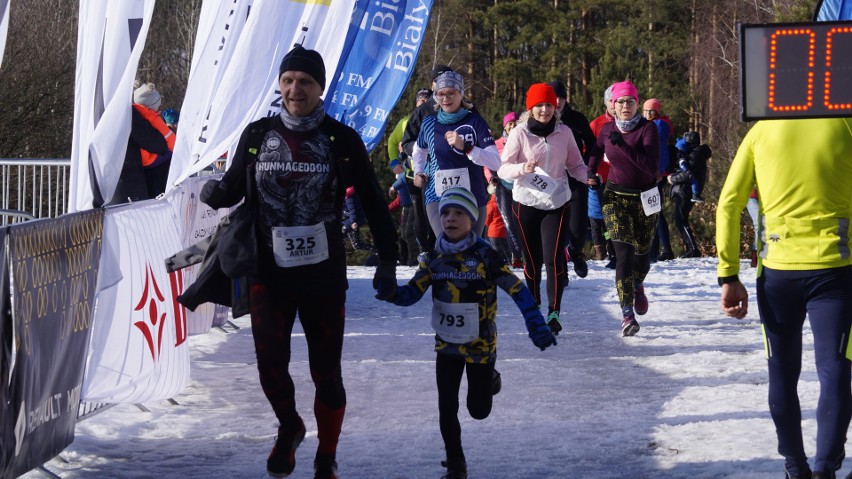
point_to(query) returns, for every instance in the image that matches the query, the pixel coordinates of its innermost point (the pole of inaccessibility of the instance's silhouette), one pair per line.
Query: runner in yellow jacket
(803, 170)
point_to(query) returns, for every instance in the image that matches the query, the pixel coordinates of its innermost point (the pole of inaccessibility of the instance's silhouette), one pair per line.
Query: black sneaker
(581, 268)
(325, 467)
(282, 459)
(456, 468)
(553, 322)
(496, 383)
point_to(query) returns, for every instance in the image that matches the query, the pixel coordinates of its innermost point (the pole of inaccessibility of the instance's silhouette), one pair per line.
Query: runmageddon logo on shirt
(293, 166)
(453, 275)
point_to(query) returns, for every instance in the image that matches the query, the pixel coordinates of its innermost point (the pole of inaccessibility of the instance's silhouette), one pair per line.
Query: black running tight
(543, 238)
(273, 313)
(448, 373)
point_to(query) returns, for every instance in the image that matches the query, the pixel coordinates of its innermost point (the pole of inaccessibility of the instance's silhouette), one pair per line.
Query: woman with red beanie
(631, 199)
(539, 155)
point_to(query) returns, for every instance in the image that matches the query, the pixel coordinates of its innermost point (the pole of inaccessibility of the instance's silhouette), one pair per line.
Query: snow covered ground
(685, 398)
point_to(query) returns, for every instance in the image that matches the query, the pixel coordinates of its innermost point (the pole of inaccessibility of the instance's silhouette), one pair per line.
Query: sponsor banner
(7, 443)
(248, 88)
(110, 39)
(4, 26)
(138, 350)
(378, 64)
(219, 27)
(54, 269)
(196, 221)
(833, 10)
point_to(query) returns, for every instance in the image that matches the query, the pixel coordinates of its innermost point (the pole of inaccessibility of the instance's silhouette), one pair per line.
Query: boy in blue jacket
(464, 273)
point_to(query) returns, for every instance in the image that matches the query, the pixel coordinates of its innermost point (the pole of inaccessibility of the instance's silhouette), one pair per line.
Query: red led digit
(828, 53)
(773, 66)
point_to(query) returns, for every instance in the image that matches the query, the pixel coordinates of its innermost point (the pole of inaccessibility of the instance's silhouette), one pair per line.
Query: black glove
(212, 192)
(615, 138)
(384, 281)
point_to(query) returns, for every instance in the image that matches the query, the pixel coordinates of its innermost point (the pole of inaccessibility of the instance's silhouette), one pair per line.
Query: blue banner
(832, 10)
(380, 54)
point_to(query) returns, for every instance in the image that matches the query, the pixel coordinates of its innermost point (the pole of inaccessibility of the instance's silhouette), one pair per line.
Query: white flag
(110, 39)
(219, 28)
(4, 25)
(248, 88)
(138, 350)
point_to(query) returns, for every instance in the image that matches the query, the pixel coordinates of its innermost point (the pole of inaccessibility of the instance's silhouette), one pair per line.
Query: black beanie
(440, 70)
(559, 89)
(301, 60)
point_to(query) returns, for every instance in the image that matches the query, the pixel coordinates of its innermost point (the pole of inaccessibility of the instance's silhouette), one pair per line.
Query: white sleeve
(488, 157)
(418, 159)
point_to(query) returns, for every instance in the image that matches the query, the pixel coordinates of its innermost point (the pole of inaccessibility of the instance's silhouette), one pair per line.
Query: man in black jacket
(296, 187)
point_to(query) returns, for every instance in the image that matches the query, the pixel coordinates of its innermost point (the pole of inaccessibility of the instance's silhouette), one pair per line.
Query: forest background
(683, 52)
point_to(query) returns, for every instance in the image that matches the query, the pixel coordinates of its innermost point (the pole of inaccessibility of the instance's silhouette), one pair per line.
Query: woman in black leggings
(631, 198)
(539, 156)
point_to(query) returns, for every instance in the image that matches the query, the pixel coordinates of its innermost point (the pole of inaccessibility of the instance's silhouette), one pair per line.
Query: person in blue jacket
(452, 147)
(464, 273)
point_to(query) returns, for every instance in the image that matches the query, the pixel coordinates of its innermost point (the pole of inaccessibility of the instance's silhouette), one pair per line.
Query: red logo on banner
(152, 299)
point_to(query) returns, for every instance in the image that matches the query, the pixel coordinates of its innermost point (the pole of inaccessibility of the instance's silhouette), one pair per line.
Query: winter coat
(471, 276)
(493, 220)
(149, 158)
(131, 183)
(804, 221)
(634, 164)
(557, 155)
(317, 198)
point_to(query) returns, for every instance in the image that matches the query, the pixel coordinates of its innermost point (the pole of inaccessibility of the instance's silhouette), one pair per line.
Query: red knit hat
(540, 93)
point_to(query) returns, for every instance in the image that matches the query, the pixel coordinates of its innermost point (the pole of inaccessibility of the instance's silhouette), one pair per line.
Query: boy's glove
(615, 138)
(384, 281)
(539, 332)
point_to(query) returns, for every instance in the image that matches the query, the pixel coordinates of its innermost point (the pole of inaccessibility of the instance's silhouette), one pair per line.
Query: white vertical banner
(248, 88)
(219, 27)
(4, 25)
(138, 350)
(110, 40)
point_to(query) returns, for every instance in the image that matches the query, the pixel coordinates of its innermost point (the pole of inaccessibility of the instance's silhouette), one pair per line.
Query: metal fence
(33, 188)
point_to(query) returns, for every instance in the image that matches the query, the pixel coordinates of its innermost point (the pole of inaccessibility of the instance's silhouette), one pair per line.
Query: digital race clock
(796, 70)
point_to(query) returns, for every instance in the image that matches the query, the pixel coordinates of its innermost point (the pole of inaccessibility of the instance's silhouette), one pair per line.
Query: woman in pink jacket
(539, 155)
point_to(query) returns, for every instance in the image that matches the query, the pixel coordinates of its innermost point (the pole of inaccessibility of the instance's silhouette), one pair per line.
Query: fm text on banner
(380, 56)
(54, 272)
